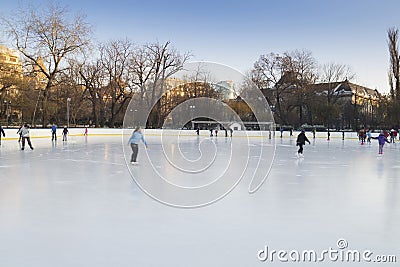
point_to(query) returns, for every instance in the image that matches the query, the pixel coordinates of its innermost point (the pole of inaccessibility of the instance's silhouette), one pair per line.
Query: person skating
(54, 132)
(19, 132)
(369, 135)
(133, 141)
(301, 141)
(198, 131)
(392, 137)
(361, 136)
(26, 136)
(381, 140)
(65, 133)
(2, 133)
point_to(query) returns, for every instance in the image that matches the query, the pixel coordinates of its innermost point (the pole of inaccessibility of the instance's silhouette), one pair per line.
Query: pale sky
(236, 33)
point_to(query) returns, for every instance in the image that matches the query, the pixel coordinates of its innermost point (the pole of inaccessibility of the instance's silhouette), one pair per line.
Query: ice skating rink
(76, 204)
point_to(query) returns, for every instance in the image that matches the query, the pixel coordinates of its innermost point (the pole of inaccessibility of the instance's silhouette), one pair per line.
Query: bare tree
(332, 73)
(266, 74)
(93, 81)
(46, 39)
(115, 57)
(336, 72)
(152, 64)
(286, 77)
(393, 43)
(303, 67)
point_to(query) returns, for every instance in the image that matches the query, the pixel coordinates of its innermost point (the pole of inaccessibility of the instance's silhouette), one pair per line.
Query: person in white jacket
(26, 136)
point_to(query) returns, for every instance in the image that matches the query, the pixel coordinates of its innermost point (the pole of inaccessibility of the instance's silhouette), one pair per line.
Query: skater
(329, 135)
(343, 135)
(392, 137)
(291, 132)
(211, 132)
(369, 135)
(231, 131)
(313, 132)
(26, 136)
(86, 131)
(53, 132)
(19, 132)
(361, 136)
(2, 133)
(134, 143)
(216, 131)
(281, 131)
(301, 141)
(65, 133)
(381, 140)
(198, 131)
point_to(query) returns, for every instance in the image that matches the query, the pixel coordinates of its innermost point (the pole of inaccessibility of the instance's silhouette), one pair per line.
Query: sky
(236, 33)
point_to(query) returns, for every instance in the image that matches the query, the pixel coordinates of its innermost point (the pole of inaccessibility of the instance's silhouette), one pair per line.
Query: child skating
(65, 133)
(381, 140)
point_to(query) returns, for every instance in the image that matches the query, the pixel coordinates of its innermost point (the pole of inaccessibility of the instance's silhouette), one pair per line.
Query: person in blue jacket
(54, 132)
(381, 140)
(133, 141)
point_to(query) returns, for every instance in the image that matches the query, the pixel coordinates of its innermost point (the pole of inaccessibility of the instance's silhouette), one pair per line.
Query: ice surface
(76, 204)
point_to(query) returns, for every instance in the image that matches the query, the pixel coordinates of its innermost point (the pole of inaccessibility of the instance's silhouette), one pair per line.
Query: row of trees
(64, 70)
(290, 82)
(65, 75)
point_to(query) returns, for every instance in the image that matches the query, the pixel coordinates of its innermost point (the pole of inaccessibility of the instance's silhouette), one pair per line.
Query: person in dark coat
(2, 133)
(301, 141)
(19, 132)
(65, 133)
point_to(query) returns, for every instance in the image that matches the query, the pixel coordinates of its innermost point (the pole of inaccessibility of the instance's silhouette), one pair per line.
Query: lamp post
(68, 103)
(192, 107)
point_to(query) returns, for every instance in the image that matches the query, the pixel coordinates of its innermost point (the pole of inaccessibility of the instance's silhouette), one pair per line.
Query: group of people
(212, 130)
(363, 135)
(64, 133)
(24, 134)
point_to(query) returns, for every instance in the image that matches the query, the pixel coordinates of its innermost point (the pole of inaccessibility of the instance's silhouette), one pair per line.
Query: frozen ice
(75, 204)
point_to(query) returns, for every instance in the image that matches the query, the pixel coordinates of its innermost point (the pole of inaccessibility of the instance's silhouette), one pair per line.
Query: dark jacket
(2, 132)
(302, 139)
